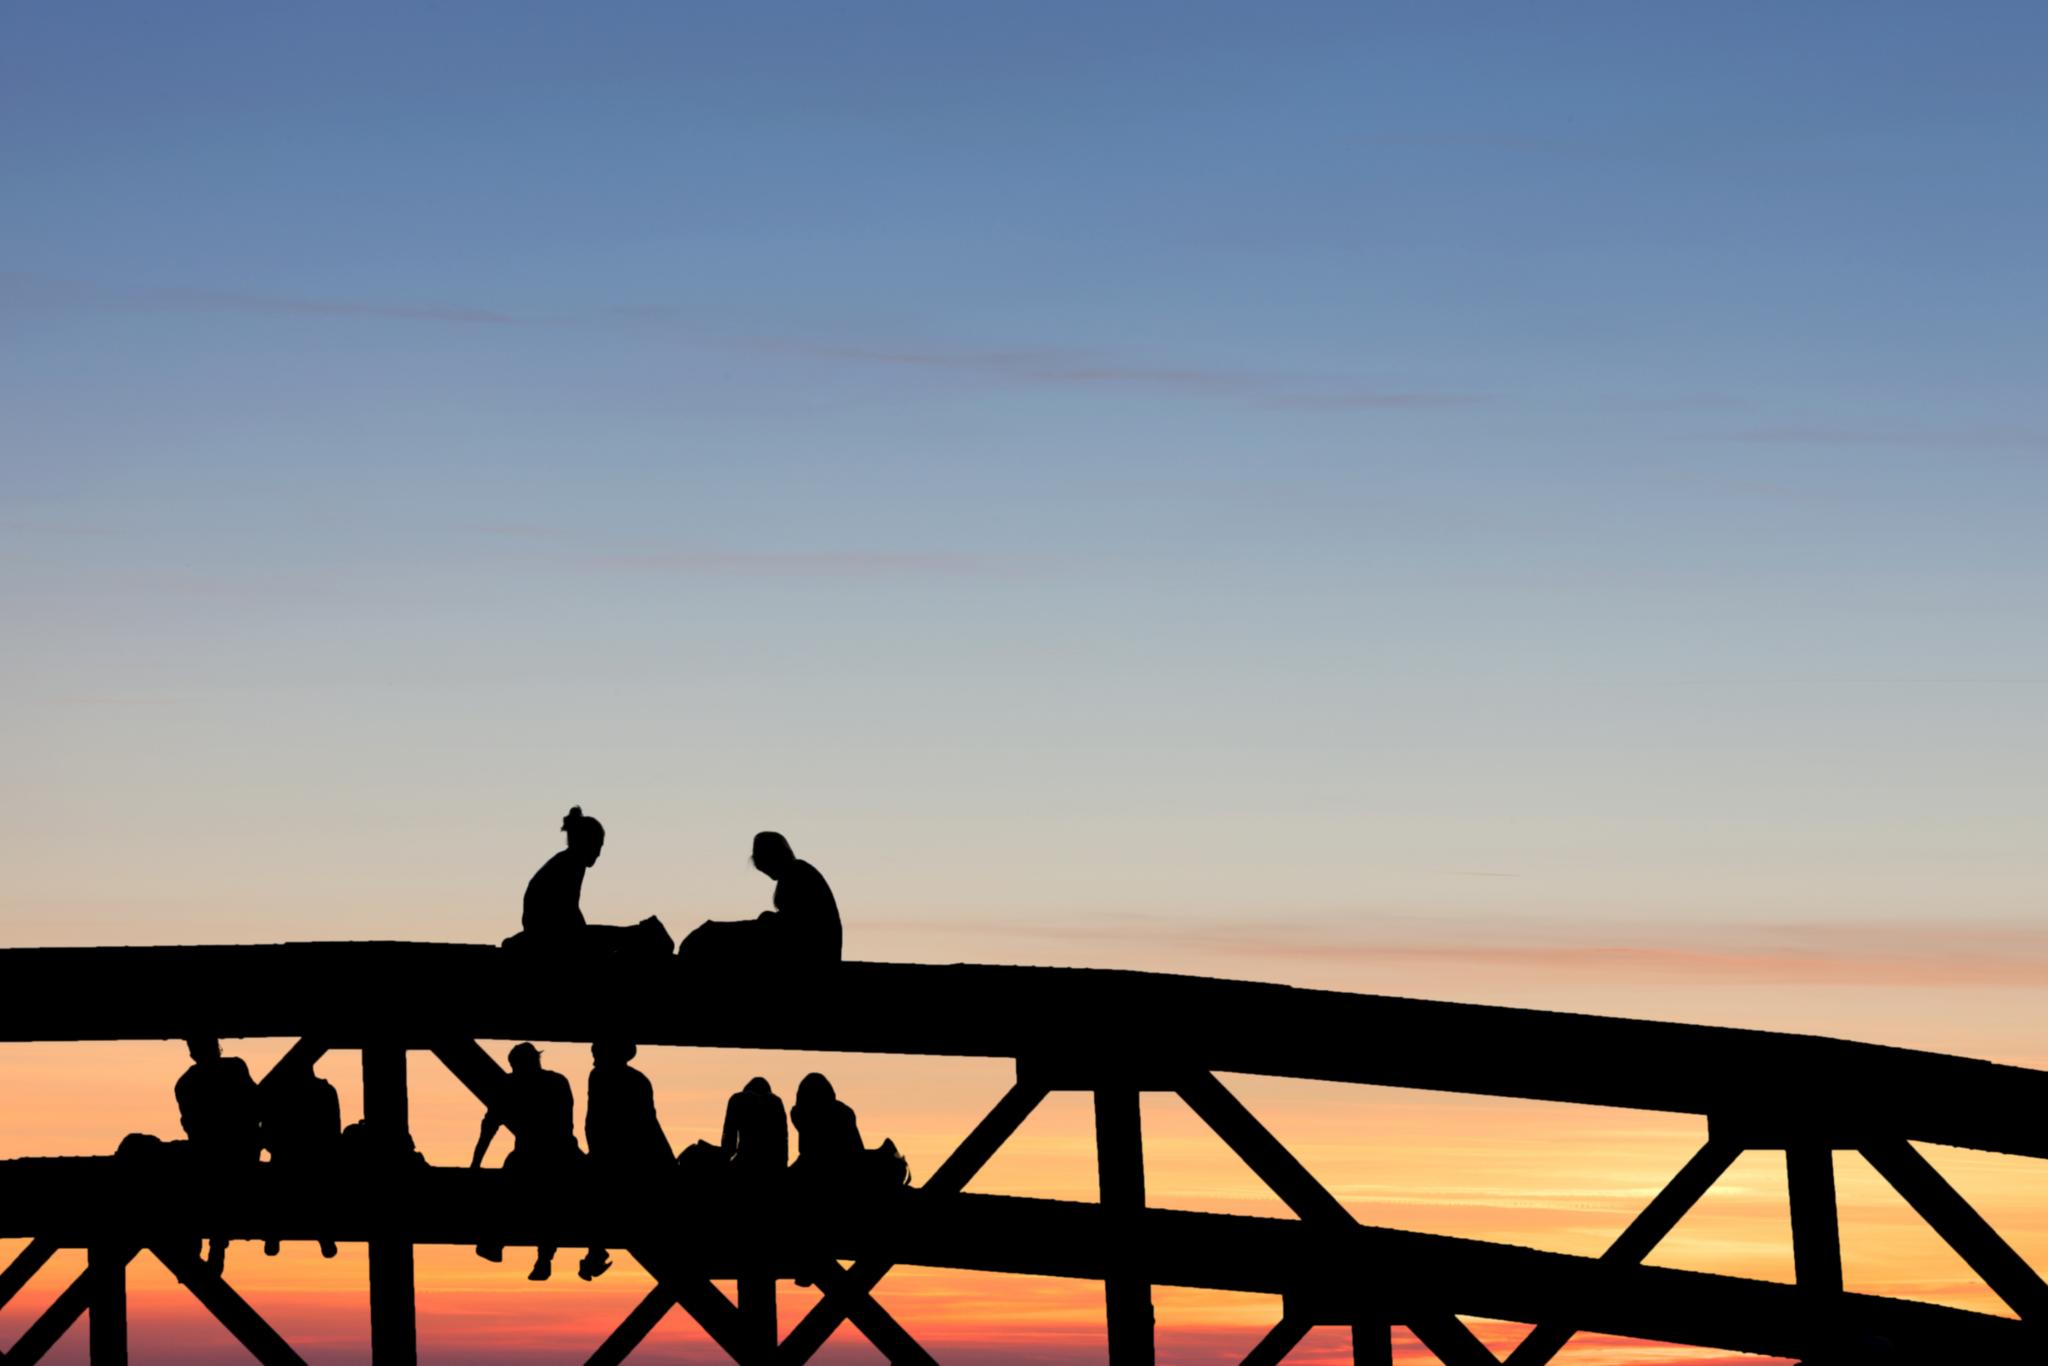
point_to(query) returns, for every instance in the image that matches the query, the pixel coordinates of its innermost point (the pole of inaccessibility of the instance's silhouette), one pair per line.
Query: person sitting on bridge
(623, 1131)
(217, 1109)
(755, 1143)
(551, 916)
(540, 1110)
(829, 1152)
(802, 933)
(301, 1125)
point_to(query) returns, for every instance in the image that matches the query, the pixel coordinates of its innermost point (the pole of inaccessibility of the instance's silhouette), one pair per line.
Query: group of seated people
(627, 1144)
(801, 932)
(230, 1120)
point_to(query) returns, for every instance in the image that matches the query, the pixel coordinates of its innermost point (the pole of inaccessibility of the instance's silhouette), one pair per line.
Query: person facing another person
(802, 933)
(551, 914)
(553, 907)
(540, 1110)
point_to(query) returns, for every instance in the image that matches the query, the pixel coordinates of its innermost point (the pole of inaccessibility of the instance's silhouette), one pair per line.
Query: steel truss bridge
(1111, 1034)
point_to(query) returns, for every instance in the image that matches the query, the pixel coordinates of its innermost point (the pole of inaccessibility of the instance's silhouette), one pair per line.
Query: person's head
(586, 836)
(524, 1057)
(772, 854)
(202, 1050)
(814, 1090)
(758, 1087)
(613, 1052)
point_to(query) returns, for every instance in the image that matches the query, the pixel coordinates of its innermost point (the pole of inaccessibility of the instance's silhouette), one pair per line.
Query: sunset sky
(1536, 504)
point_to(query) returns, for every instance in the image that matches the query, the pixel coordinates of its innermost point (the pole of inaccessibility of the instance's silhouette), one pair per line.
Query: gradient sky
(1521, 503)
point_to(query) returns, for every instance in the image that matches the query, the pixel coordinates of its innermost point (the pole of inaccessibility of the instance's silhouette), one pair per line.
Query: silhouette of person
(554, 896)
(807, 914)
(756, 1138)
(623, 1130)
(802, 934)
(540, 1110)
(217, 1109)
(551, 915)
(828, 1147)
(301, 1126)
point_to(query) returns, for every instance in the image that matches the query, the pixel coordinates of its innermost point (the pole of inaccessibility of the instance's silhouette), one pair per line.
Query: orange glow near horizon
(1558, 1177)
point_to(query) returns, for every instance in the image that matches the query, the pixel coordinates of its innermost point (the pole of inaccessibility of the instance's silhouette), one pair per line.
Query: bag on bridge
(887, 1168)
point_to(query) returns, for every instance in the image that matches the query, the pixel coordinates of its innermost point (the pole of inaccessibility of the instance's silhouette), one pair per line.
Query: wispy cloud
(25, 291)
(1848, 954)
(558, 546)
(1084, 370)
(1048, 366)
(1989, 438)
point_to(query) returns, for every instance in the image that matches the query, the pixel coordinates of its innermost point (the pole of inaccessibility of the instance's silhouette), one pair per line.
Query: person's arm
(484, 1136)
(729, 1142)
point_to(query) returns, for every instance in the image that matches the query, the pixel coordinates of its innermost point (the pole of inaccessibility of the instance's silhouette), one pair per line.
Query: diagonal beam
(875, 1323)
(473, 1067)
(1273, 1348)
(718, 1316)
(53, 1323)
(634, 1328)
(1268, 1158)
(304, 1053)
(1961, 1227)
(234, 1313)
(1453, 1343)
(1226, 1115)
(1641, 1237)
(23, 1268)
(995, 1129)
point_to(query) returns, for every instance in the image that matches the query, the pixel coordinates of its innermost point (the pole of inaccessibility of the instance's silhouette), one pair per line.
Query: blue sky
(1101, 468)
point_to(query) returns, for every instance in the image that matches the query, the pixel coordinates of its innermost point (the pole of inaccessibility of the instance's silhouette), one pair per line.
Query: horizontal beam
(431, 993)
(1410, 1274)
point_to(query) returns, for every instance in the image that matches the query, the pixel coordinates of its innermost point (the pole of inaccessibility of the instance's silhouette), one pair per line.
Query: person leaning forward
(540, 1110)
(551, 913)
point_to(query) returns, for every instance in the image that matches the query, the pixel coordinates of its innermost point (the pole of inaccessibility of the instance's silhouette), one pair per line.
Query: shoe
(590, 1268)
(541, 1271)
(490, 1254)
(270, 1247)
(327, 1249)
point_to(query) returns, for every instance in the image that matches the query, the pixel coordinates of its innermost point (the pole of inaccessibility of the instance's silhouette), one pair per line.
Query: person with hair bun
(554, 896)
(552, 915)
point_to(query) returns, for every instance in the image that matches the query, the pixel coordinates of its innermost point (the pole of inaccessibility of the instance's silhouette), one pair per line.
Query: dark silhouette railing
(1111, 1034)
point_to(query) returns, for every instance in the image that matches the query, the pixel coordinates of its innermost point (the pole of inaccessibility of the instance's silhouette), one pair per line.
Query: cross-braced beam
(1961, 1227)
(23, 1268)
(53, 1323)
(964, 1163)
(1640, 1238)
(234, 1313)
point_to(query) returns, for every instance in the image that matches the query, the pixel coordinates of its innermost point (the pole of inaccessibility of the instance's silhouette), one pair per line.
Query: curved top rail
(1765, 1088)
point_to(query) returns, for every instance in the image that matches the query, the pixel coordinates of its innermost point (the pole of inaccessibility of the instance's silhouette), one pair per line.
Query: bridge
(1111, 1034)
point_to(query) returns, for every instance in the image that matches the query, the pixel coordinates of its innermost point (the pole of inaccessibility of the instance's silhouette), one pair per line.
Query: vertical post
(757, 1313)
(1120, 1165)
(1372, 1343)
(393, 1337)
(107, 1306)
(1816, 1229)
